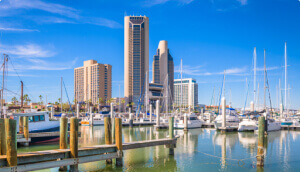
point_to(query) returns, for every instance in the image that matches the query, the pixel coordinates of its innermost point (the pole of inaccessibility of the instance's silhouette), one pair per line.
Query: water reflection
(198, 149)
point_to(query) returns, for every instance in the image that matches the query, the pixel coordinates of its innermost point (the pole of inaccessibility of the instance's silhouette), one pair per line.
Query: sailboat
(249, 124)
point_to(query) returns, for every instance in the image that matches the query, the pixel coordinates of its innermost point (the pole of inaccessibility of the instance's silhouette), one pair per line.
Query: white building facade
(189, 96)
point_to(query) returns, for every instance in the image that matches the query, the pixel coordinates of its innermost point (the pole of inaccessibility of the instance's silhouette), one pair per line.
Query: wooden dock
(208, 125)
(290, 127)
(22, 140)
(227, 129)
(49, 159)
(12, 162)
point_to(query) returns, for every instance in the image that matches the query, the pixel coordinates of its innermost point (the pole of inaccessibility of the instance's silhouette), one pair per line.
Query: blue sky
(46, 40)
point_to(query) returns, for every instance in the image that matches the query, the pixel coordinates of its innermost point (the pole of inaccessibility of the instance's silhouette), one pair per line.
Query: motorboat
(94, 119)
(39, 122)
(232, 119)
(192, 119)
(247, 125)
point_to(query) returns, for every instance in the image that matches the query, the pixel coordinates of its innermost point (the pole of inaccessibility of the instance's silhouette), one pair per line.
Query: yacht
(38, 121)
(232, 119)
(247, 125)
(98, 119)
(193, 122)
(273, 125)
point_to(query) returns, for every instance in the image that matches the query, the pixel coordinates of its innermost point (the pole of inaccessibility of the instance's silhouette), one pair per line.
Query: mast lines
(254, 56)
(285, 71)
(265, 79)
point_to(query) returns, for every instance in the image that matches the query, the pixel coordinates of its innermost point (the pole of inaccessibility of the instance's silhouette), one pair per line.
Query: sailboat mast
(61, 82)
(264, 79)
(181, 97)
(254, 82)
(285, 82)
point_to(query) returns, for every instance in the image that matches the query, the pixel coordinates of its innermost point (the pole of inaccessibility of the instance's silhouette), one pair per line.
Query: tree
(123, 102)
(41, 99)
(14, 100)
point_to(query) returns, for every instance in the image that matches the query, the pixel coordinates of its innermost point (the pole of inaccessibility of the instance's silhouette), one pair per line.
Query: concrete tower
(136, 57)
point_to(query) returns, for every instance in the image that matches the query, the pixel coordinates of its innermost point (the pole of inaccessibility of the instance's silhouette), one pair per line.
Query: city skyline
(46, 44)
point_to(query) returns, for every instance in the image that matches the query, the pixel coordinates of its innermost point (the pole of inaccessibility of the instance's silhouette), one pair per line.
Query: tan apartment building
(136, 56)
(92, 81)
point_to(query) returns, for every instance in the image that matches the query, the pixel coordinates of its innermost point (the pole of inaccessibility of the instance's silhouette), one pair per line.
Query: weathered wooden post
(112, 122)
(2, 137)
(21, 130)
(150, 110)
(11, 142)
(74, 142)
(107, 128)
(260, 146)
(185, 121)
(171, 134)
(224, 112)
(63, 137)
(119, 161)
(157, 114)
(26, 127)
(130, 121)
(78, 110)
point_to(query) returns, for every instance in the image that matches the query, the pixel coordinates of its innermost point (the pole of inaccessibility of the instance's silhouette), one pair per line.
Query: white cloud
(69, 14)
(150, 3)
(18, 29)
(38, 64)
(40, 5)
(243, 2)
(27, 50)
(268, 68)
(198, 71)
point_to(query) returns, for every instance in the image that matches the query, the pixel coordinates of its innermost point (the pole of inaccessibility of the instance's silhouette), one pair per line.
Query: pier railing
(11, 161)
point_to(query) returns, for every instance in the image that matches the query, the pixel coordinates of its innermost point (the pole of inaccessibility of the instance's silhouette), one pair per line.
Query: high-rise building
(189, 96)
(136, 57)
(92, 81)
(163, 69)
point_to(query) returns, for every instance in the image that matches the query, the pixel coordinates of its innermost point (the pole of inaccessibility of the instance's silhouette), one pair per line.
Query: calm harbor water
(198, 150)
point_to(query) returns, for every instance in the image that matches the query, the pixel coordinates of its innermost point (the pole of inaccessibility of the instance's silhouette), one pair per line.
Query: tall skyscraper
(163, 69)
(92, 81)
(189, 92)
(136, 57)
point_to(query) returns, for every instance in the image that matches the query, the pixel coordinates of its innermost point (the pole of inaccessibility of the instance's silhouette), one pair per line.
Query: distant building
(163, 70)
(136, 57)
(189, 92)
(92, 81)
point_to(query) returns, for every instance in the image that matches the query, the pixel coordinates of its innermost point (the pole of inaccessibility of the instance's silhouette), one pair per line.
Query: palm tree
(123, 102)
(14, 100)
(41, 99)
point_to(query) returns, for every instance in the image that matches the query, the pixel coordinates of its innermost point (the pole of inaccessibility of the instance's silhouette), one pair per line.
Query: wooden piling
(26, 127)
(185, 121)
(11, 142)
(171, 134)
(107, 128)
(2, 137)
(21, 130)
(260, 146)
(63, 137)
(118, 134)
(74, 142)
